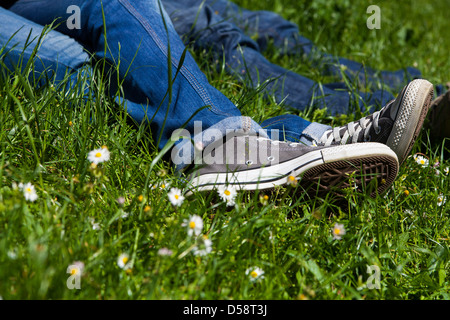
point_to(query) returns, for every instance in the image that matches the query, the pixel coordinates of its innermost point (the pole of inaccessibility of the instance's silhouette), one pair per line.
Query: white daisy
(441, 200)
(194, 225)
(446, 170)
(292, 180)
(99, 155)
(228, 194)
(164, 185)
(255, 273)
(264, 199)
(77, 268)
(338, 231)
(29, 192)
(175, 196)
(421, 160)
(204, 246)
(124, 261)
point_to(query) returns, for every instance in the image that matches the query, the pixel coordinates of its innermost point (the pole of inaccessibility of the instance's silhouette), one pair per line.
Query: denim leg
(293, 128)
(268, 26)
(58, 56)
(200, 23)
(264, 26)
(138, 37)
(59, 53)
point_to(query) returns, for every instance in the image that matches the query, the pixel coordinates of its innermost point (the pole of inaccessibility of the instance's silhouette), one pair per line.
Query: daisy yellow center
(192, 224)
(28, 190)
(163, 186)
(291, 178)
(177, 196)
(422, 161)
(125, 260)
(254, 274)
(98, 154)
(337, 231)
(73, 271)
(227, 192)
(266, 197)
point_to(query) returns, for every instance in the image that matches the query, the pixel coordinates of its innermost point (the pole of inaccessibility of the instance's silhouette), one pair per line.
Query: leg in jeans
(200, 23)
(138, 33)
(136, 36)
(268, 26)
(57, 54)
(312, 162)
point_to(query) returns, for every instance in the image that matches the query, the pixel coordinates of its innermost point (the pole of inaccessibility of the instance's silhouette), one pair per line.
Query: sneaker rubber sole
(371, 175)
(318, 171)
(412, 112)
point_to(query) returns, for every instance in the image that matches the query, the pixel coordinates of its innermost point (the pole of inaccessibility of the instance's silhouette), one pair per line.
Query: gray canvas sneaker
(255, 163)
(397, 124)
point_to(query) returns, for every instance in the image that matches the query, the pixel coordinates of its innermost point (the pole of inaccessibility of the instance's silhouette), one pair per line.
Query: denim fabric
(229, 31)
(136, 35)
(57, 55)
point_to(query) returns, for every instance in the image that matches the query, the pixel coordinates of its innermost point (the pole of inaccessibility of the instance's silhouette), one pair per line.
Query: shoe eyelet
(271, 158)
(378, 131)
(367, 139)
(249, 162)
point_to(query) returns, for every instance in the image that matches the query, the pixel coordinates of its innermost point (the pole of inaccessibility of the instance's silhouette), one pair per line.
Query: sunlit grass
(135, 240)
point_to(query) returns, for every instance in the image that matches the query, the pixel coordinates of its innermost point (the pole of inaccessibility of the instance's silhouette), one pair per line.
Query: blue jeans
(240, 36)
(264, 26)
(136, 35)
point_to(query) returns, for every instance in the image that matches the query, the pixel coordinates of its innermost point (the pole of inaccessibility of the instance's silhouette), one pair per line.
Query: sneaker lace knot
(351, 131)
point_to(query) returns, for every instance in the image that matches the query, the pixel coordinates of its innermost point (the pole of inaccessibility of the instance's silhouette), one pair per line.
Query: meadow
(114, 230)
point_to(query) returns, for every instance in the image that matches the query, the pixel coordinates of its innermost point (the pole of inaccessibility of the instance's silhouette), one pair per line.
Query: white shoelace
(352, 131)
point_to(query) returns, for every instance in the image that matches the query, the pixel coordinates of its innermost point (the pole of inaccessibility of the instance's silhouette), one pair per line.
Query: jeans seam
(274, 122)
(191, 79)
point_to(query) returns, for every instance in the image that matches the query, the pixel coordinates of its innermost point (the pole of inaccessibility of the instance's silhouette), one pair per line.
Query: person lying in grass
(163, 86)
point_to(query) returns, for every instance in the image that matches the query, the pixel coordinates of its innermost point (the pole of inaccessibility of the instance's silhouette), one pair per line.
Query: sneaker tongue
(391, 108)
(389, 111)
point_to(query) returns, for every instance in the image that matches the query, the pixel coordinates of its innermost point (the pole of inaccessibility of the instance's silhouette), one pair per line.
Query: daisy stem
(136, 238)
(184, 253)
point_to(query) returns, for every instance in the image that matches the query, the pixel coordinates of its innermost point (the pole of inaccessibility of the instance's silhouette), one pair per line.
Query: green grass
(47, 133)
